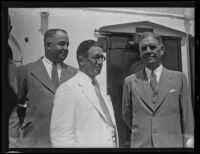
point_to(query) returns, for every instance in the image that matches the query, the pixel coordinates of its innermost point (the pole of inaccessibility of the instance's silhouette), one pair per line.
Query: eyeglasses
(152, 47)
(97, 58)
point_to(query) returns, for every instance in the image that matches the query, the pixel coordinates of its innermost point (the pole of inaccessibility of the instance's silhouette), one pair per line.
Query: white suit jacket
(77, 118)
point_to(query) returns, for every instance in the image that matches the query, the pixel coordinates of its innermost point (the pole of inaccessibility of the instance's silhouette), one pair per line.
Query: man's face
(151, 51)
(57, 48)
(94, 62)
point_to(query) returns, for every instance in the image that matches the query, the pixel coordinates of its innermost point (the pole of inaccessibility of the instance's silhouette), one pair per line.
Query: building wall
(80, 24)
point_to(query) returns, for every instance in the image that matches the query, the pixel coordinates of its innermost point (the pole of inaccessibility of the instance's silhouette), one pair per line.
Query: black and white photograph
(97, 76)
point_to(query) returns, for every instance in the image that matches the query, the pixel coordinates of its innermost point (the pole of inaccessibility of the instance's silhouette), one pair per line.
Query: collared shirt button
(154, 99)
(154, 115)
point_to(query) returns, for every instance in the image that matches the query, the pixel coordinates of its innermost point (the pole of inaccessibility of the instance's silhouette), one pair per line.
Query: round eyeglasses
(97, 58)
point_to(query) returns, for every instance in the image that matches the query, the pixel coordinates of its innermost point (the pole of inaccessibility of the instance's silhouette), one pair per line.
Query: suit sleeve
(187, 111)
(12, 75)
(62, 127)
(22, 84)
(127, 104)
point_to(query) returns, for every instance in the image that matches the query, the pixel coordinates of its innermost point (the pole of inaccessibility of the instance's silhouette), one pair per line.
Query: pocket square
(172, 90)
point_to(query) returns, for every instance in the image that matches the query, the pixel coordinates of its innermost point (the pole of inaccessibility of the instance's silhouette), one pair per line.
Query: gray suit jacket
(165, 123)
(37, 91)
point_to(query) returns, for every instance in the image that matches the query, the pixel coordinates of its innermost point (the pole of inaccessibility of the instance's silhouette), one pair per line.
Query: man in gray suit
(37, 83)
(155, 103)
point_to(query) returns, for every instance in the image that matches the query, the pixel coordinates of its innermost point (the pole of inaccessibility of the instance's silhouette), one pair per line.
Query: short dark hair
(49, 33)
(85, 46)
(151, 34)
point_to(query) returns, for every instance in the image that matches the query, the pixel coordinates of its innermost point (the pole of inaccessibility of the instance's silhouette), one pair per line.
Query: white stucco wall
(80, 24)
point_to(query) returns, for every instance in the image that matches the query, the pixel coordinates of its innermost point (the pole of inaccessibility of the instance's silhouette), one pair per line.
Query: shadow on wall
(136, 67)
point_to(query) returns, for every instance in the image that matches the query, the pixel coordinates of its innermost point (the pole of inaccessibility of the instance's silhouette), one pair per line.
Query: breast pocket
(172, 103)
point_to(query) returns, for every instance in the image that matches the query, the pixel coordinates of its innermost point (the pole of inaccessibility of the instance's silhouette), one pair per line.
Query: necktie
(105, 110)
(153, 82)
(54, 76)
(102, 102)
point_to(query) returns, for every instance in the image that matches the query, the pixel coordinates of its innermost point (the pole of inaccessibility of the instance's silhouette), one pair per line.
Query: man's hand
(21, 112)
(190, 142)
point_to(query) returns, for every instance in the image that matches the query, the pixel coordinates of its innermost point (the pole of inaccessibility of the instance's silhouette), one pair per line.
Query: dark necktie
(153, 82)
(102, 102)
(54, 76)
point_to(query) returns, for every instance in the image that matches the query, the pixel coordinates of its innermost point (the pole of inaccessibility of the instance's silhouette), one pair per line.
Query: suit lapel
(39, 72)
(141, 84)
(108, 102)
(89, 92)
(66, 73)
(163, 87)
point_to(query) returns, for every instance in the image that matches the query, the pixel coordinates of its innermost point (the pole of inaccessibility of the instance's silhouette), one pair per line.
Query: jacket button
(154, 115)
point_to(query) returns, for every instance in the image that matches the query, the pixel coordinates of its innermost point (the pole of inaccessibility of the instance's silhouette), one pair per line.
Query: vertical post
(44, 22)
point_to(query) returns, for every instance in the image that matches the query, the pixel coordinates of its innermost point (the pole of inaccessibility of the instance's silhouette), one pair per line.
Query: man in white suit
(83, 115)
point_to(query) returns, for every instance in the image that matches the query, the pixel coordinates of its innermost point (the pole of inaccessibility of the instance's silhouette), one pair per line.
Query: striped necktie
(105, 110)
(153, 83)
(102, 102)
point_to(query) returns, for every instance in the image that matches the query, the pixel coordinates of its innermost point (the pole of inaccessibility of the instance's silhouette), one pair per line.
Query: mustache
(146, 55)
(99, 66)
(64, 51)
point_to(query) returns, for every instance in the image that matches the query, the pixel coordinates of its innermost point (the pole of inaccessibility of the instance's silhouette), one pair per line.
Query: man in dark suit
(12, 72)
(156, 106)
(37, 83)
(12, 94)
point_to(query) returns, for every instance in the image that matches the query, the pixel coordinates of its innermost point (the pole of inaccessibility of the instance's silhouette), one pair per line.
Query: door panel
(192, 68)
(118, 42)
(132, 61)
(172, 55)
(116, 86)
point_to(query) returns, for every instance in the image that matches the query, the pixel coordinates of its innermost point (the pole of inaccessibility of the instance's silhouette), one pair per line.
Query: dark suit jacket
(161, 124)
(36, 89)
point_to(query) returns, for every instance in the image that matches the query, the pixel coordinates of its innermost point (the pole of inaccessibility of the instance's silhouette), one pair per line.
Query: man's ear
(10, 29)
(47, 45)
(80, 60)
(162, 50)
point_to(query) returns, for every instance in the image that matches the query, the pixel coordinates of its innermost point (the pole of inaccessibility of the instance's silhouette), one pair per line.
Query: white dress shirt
(157, 72)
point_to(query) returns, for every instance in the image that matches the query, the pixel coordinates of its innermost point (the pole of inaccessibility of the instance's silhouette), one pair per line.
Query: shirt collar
(157, 71)
(49, 63)
(85, 77)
